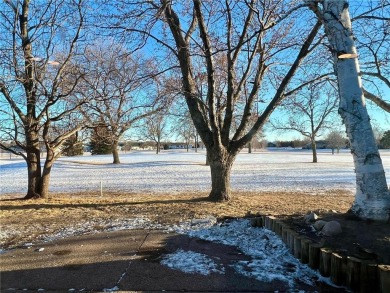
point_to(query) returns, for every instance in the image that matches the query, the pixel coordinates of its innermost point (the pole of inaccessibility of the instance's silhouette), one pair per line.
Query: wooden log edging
(314, 255)
(305, 244)
(355, 274)
(384, 276)
(325, 262)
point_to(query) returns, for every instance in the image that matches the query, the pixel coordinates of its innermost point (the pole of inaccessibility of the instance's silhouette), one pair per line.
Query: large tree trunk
(115, 153)
(45, 180)
(220, 166)
(158, 145)
(34, 174)
(33, 165)
(372, 200)
(314, 151)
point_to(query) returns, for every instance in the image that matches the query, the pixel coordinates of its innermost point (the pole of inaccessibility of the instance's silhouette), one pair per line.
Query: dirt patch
(32, 220)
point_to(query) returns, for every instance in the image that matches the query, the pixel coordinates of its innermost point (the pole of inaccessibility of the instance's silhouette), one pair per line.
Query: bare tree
(251, 47)
(310, 112)
(378, 132)
(372, 199)
(181, 124)
(373, 28)
(39, 48)
(186, 130)
(121, 90)
(335, 140)
(155, 127)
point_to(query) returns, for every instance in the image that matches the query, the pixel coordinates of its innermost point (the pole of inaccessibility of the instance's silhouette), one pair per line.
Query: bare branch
(377, 100)
(278, 97)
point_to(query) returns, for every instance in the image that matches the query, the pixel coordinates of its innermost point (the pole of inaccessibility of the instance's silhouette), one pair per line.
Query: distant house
(180, 146)
(321, 144)
(271, 145)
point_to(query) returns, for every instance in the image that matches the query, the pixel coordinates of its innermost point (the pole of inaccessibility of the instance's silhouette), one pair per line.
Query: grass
(32, 220)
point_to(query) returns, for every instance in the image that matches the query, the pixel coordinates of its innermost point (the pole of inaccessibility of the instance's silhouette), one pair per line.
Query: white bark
(372, 199)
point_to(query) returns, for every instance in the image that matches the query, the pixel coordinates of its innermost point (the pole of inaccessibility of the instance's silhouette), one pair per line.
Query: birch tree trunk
(372, 199)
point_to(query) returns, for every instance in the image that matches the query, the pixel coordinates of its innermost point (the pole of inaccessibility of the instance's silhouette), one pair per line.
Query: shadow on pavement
(124, 261)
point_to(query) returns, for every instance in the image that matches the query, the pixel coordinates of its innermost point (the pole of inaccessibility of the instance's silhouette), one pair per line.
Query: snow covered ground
(179, 171)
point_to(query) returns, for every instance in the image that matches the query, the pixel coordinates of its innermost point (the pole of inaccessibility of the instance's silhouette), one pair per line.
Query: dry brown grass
(29, 220)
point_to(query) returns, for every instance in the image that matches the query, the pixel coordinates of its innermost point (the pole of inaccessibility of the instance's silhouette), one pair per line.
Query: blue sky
(379, 118)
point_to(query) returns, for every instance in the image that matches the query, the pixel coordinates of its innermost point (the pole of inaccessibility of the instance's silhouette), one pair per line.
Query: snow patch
(271, 259)
(194, 224)
(192, 262)
(95, 226)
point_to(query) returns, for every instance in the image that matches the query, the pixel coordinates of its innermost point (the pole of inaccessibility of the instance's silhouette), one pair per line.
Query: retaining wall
(356, 274)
